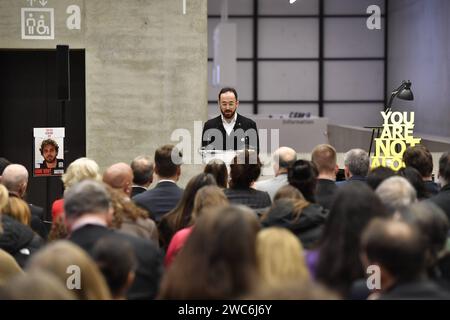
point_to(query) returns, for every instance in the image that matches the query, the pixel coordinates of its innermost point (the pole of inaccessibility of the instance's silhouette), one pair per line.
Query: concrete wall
(146, 69)
(419, 50)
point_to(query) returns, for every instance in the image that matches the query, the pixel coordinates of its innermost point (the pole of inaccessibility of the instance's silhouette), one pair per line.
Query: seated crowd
(132, 232)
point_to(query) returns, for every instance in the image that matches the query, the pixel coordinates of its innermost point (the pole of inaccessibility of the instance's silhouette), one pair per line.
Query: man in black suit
(15, 179)
(230, 130)
(142, 167)
(442, 199)
(88, 210)
(166, 194)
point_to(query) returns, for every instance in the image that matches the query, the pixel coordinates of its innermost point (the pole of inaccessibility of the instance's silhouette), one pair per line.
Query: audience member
(399, 250)
(377, 175)
(324, 158)
(283, 158)
(218, 260)
(208, 198)
(339, 263)
(356, 166)
(420, 158)
(142, 167)
(396, 193)
(87, 206)
(180, 216)
(63, 259)
(280, 257)
(245, 169)
(117, 263)
(442, 199)
(218, 169)
(8, 267)
(415, 179)
(166, 194)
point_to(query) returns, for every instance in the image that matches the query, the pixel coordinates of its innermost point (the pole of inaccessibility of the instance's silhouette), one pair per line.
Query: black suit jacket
(148, 256)
(442, 200)
(159, 200)
(239, 139)
(137, 190)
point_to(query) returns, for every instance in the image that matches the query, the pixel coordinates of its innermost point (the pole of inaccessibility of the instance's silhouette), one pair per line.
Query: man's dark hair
(377, 175)
(49, 142)
(3, 164)
(397, 246)
(245, 168)
(419, 157)
(444, 166)
(142, 170)
(115, 259)
(228, 89)
(87, 196)
(164, 165)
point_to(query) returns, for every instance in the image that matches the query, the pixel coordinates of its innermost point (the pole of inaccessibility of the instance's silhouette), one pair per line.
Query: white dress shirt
(229, 125)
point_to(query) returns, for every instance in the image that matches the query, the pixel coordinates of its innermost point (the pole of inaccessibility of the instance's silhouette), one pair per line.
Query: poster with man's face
(48, 152)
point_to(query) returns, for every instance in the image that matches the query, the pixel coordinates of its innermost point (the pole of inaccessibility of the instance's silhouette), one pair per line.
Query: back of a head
(303, 176)
(358, 162)
(284, 157)
(432, 223)
(222, 246)
(119, 176)
(444, 168)
(324, 158)
(415, 179)
(36, 285)
(87, 196)
(19, 210)
(377, 175)
(396, 193)
(183, 210)
(79, 170)
(61, 258)
(218, 169)
(280, 257)
(14, 176)
(396, 246)
(142, 167)
(420, 158)
(245, 169)
(288, 192)
(116, 260)
(167, 161)
(208, 198)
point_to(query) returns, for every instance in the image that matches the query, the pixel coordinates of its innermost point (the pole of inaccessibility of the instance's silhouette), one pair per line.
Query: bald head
(283, 158)
(15, 179)
(119, 176)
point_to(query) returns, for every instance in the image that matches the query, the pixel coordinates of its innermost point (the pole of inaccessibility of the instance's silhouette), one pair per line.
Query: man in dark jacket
(88, 212)
(230, 130)
(442, 199)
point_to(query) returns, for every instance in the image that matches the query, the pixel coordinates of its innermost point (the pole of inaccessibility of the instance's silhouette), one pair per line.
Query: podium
(224, 155)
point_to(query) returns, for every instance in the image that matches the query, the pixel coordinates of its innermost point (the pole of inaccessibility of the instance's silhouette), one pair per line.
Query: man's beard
(229, 117)
(50, 160)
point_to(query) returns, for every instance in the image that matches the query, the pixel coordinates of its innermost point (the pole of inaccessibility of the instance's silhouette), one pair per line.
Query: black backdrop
(28, 99)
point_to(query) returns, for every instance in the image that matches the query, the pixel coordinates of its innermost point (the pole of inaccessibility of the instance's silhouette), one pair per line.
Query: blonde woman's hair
(4, 199)
(280, 257)
(58, 256)
(19, 210)
(81, 169)
(207, 198)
